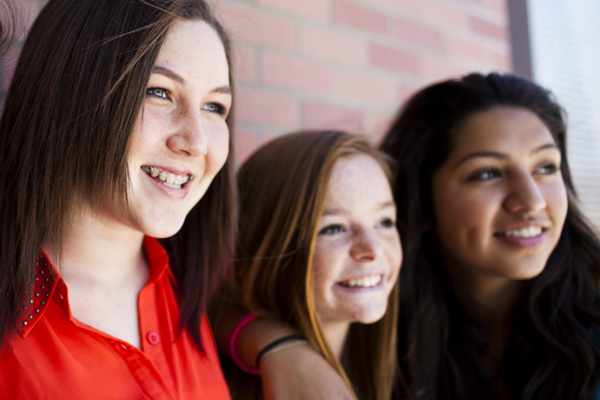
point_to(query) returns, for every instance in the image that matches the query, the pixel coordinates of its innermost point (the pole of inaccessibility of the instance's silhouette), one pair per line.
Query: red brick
(365, 88)
(416, 33)
(267, 137)
(406, 92)
(393, 59)
(259, 106)
(435, 69)
(458, 48)
(359, 17)
(244, 145)
(244, 64)
(377, 125)
(314, 9)
(327, 44)
(500, 6)
(294, 73)
(489, 29)
(475, 2)
(503, 61)
(252, 26)
(445, 15)
(407, 7)
(317, 115)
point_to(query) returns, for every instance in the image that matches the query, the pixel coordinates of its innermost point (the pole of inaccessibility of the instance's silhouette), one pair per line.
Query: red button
(153, 338)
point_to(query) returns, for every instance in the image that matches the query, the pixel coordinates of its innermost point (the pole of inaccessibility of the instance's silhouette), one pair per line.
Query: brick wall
(345, 64)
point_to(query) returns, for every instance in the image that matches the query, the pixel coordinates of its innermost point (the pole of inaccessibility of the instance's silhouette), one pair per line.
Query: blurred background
(349, 64)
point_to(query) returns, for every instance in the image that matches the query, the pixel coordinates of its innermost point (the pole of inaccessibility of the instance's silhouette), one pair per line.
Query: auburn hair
(282, 189)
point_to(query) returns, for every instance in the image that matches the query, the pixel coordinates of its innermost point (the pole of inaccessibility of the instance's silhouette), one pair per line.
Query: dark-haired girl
(499, 288)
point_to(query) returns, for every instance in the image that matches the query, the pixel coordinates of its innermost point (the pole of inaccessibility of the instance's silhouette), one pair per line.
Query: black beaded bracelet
(274, 344)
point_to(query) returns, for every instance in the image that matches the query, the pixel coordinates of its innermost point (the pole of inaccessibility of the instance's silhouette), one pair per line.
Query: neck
(489, 299)
(336, 333)
(95, 250)
(491, 302)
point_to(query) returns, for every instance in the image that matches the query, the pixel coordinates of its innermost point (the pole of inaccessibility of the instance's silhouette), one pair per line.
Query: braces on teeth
(171, 180)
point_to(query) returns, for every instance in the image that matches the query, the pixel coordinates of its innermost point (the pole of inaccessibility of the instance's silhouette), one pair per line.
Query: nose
(190, 137)
(525, 195)
(364, 246)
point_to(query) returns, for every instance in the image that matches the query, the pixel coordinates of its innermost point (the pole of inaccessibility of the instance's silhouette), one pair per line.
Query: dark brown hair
(553, 350)
(75, 96)
(282, 190)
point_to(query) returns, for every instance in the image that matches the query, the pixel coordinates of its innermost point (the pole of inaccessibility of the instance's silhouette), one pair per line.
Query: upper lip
(170, 170)
(362, 275)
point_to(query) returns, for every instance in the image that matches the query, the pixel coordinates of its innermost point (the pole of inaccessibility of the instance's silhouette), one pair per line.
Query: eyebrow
(176, 77)
(168, 73)
(502, 156)
(338, 211)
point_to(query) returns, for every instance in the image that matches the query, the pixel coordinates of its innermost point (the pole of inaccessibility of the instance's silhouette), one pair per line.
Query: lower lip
(175, 193)
(523, 242)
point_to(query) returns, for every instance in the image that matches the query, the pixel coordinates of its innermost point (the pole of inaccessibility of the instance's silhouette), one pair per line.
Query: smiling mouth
(166, 178)
(521, 233)
(364, 282)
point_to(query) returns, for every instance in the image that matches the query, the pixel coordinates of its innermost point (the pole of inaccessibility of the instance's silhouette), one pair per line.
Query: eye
(332, 229)
(549, 168)
(387, 223)
(216, 108)
(158, 92)
(485, 174)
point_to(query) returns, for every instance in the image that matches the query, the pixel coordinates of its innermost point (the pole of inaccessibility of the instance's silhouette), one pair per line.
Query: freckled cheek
(394, 252)
(217, 142)
(326, 265)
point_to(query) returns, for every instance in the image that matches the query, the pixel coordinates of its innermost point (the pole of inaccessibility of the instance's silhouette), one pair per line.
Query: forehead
(194, 50)
(503, 129)
(357, 178)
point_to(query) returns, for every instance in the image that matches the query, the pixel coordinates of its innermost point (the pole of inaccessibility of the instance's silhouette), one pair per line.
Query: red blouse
(58, 357)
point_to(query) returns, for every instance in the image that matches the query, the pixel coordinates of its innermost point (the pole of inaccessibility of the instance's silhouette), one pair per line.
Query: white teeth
(523, 233)
(168, 179)
(367, 281)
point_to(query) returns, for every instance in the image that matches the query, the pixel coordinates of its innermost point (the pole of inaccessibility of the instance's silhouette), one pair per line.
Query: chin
(371, 317)
(164, 231)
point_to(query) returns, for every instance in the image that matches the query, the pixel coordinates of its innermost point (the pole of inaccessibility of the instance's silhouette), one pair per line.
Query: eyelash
(387, 223)
(153, 92)
(164, 94)
(218, 108)
(549, 168)
(332, 229)
(487, 174)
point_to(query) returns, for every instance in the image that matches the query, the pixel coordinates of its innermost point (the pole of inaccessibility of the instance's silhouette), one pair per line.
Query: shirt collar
(47, 283)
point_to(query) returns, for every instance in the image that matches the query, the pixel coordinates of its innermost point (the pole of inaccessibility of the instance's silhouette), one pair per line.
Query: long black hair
(553, 349)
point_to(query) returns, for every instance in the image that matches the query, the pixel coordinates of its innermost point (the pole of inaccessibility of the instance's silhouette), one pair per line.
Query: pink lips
(524, 242)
